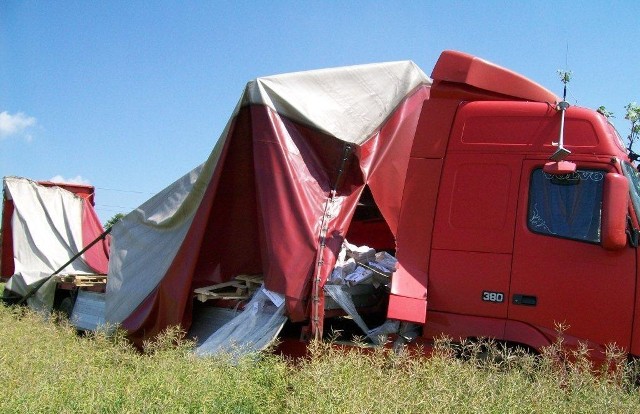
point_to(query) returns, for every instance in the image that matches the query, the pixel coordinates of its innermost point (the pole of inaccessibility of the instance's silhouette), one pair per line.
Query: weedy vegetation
(48, 368)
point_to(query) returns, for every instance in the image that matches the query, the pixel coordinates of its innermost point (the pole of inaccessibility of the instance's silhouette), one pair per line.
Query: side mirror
(614, 211)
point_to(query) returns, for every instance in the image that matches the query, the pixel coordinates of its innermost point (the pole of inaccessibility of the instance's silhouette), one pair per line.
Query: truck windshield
(634, 185)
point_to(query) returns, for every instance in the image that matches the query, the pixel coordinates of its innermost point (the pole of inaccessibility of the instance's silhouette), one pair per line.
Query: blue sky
(128, 96)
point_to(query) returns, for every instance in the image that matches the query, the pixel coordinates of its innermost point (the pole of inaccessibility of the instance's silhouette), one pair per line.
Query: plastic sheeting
(49, 225)
(347, 277)
(252, 330)
(341, 295)
(88, 311)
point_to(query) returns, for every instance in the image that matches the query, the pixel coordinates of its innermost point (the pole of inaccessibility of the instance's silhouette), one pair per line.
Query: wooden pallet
(83, 280)
(241, 287)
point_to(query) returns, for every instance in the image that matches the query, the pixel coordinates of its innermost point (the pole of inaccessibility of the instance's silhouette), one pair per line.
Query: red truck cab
(493, 244)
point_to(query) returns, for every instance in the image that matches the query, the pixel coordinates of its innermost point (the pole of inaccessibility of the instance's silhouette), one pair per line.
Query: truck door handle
(525, 300)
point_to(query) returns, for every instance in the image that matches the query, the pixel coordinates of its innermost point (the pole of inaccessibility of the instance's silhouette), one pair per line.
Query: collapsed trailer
(45, 227)
(275, 198)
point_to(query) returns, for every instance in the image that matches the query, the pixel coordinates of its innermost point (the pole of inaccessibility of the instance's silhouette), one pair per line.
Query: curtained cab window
(567, 206)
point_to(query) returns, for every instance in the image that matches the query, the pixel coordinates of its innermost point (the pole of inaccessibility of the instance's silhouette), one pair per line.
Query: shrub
(48, 367)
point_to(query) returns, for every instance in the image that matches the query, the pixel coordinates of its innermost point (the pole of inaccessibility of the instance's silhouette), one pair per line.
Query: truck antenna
(562, 153)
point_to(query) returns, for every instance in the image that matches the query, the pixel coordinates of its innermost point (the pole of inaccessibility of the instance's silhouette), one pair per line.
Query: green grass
(46, 367)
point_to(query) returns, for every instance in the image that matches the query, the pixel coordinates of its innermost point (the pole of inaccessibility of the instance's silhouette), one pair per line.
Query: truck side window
(566, 206)
(633, 176)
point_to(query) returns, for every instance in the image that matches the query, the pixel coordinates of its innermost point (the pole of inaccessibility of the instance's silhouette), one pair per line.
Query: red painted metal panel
(523, 333)
(504, 126)
(432, 133)
(477, 203)
(407, 309)
(459, 327)
(521, 127)
(457, 280)
(458, 67)
(414, 231)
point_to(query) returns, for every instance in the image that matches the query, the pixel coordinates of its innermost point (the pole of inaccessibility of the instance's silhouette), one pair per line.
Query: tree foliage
(113, 220)
(633, 116)
(607, 114)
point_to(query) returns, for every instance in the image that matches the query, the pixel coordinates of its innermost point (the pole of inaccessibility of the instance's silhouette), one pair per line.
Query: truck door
(560, 273)
(471, 255)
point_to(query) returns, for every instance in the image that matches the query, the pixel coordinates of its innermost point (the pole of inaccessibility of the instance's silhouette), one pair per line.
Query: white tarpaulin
(348, 102)
(47, 232)
(145, 241)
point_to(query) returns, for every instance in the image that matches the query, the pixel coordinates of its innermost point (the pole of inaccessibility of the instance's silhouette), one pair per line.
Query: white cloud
(75, 180)
(15, 125)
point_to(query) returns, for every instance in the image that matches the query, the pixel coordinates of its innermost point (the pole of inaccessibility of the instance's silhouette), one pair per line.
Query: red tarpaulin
(259, 203)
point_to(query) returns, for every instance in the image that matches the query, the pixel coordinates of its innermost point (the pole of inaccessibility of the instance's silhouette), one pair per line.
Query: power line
(109, 205)
(109, 209)
(124, 191)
